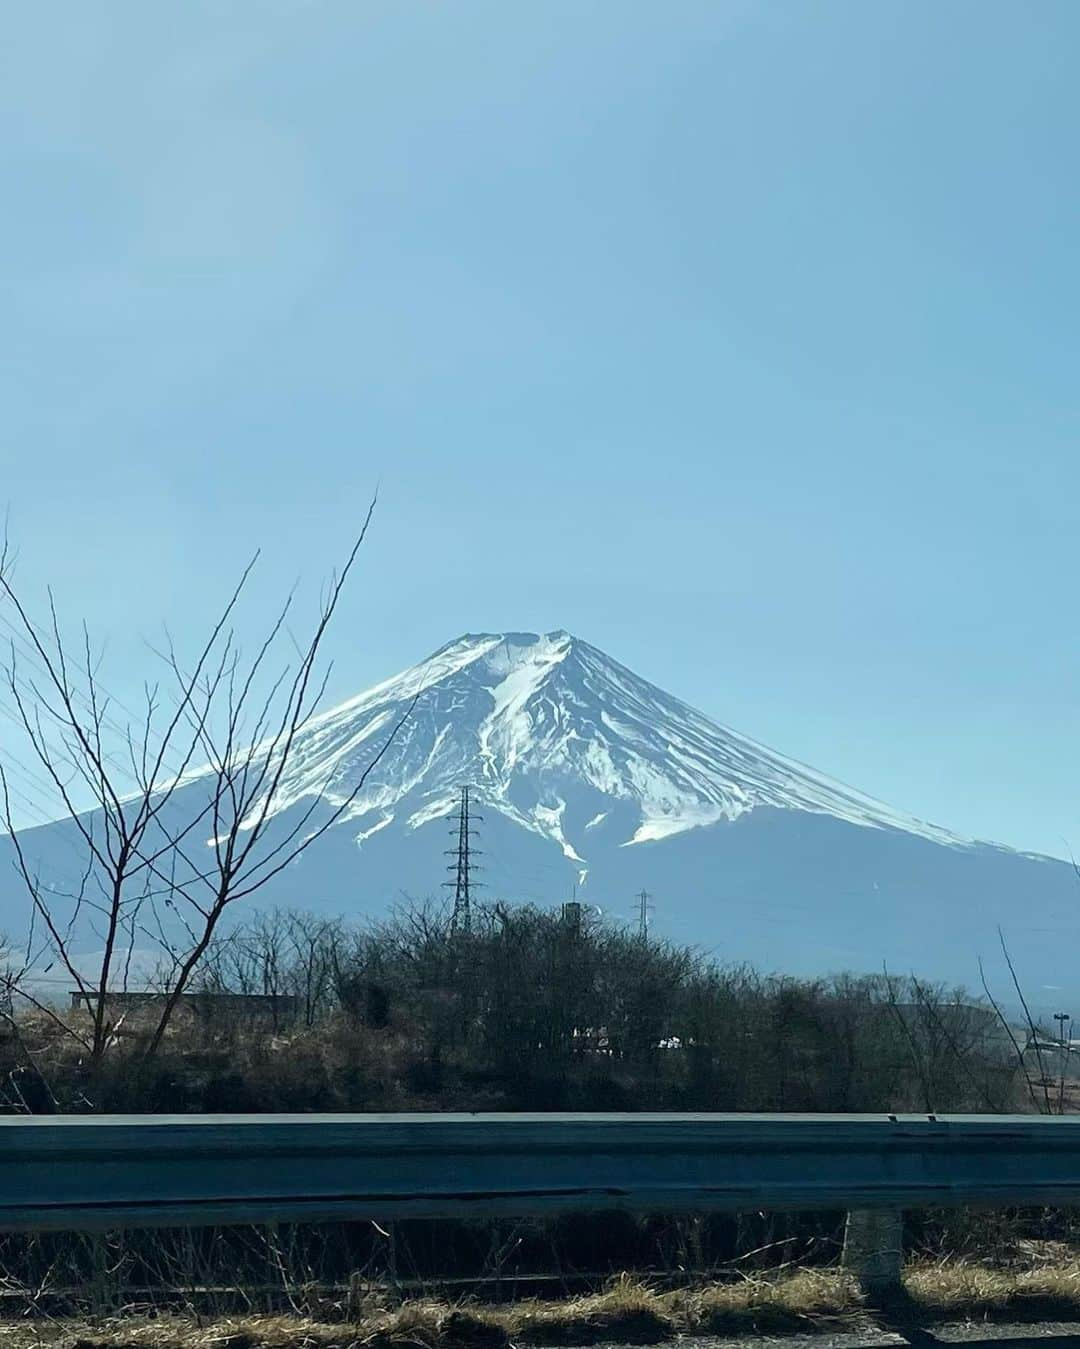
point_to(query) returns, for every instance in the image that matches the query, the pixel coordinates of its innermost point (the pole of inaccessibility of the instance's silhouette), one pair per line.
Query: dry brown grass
(961, 1287)
(627, 1311)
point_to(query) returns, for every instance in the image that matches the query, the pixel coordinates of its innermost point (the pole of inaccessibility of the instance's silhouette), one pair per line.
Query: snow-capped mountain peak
(559, 738)
(583, 771)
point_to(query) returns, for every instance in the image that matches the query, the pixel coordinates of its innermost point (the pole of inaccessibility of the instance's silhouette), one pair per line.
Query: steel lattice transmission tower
(463, 866)
(643, 914)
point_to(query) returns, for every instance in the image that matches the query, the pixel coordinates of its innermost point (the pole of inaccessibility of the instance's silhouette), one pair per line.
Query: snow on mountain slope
(584, 772)
(559, 738)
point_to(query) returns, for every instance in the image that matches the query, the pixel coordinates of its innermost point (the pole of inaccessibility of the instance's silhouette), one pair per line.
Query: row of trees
(538, 1009)
(527, 1010)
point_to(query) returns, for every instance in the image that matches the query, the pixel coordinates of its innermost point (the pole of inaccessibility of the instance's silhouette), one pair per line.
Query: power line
(463, 866)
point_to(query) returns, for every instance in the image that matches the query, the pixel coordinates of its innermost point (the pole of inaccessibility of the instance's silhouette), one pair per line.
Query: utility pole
(463, 866)
(643, 915)
(1064, 1045)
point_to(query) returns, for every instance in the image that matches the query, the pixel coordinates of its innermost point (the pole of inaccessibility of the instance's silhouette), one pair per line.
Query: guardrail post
(874, 1249)
(102, 1292)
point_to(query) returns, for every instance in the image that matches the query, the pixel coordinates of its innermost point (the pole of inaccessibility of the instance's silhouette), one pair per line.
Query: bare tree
(1039, 1086)
(281, 955)
(205, 757)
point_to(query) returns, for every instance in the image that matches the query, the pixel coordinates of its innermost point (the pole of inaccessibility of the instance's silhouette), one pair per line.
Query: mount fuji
(586, 778)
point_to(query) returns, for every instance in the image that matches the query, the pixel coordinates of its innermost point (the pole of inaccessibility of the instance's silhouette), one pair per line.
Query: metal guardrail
(100, 1172)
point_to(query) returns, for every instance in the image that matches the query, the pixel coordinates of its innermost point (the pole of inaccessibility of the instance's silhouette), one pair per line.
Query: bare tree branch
(228, 747)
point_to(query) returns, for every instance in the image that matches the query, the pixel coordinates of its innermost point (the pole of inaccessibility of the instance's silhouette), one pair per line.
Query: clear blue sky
(737, 338)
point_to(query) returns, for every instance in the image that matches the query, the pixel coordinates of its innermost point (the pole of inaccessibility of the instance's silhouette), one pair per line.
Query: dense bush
(528, 1010)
